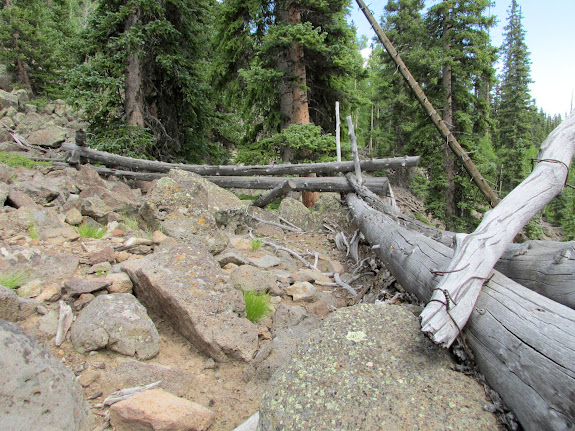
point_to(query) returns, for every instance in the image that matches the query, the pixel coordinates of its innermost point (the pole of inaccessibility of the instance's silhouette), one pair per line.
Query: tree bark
(477, 253)
(276, 193)
(448, 118)
(522, 342)
(116, 161)
(134, 86)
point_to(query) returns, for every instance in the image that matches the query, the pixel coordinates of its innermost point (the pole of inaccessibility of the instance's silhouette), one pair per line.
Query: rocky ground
(158, 299)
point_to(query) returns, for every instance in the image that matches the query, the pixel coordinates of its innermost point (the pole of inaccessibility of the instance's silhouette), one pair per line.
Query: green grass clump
(258, 305)
(33, 230)
(131, 223)
(256, 243)
(89, 231)
(18, 161)
(14, 279)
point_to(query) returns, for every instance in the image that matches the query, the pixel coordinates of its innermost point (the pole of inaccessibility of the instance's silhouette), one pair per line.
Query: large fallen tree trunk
(116, 161)
(547, 267)
(523, 343)
(476, 253)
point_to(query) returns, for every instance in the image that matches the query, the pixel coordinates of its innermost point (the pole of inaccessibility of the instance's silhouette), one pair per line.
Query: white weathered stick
(337, 132)
(123, 394)
(476, 254)
(64, 322)
(354, 152)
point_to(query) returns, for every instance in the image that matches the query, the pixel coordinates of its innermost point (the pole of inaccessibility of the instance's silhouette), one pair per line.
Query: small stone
(50, 293)
(83, 300)
(123, 256)
(106, 254)
(158, 237)
(335, 267)
(310, 275)
(303, 291)
(159, 410)
(31, 289)
(101, 268)
(77, 286)
(264, 333)
(99, 365)
(265, 261)
(74, 217)
(88, 377)
(48, 324)
(210, 364)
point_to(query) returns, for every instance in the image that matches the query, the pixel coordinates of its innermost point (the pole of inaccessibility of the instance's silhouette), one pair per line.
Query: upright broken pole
(440, 125)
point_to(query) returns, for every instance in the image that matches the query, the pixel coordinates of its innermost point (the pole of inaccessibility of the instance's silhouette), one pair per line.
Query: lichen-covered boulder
(117, 322)
(36, 391)
(369, 367)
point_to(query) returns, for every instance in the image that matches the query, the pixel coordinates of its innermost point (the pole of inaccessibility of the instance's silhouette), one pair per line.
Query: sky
(550, 37)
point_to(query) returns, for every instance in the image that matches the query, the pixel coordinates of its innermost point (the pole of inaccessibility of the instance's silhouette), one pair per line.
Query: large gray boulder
(117, 322)
(185, 286)
(13, 308)
(36, 391)
(185, 204)
(369, 367)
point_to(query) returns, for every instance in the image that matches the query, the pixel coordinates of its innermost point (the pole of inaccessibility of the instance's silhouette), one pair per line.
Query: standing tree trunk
(134, 98)
(293, 98)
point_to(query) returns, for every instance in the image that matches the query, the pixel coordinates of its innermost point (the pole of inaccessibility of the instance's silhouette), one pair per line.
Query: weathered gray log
(476, 253)
(378, 185)
(278, 192)
(114, 160)
(523, 343)
(547, 267)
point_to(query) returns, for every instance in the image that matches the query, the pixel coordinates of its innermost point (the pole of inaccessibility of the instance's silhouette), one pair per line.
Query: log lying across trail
(523, 343)
(378, 185)
(116, 161)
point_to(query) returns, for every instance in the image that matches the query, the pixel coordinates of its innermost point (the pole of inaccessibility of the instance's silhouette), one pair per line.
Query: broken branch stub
(476, 254)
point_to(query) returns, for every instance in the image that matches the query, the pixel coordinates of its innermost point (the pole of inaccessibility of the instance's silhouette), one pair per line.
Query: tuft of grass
(258, 305)
(33, 230)
(89, 231)
(14, 279)
(18, 161)
(131, 223)
(256, 243)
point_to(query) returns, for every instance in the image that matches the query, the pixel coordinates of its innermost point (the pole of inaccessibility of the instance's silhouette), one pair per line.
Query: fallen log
(278, 192)
(476, 253)
(547, 267)
(378, 185)
(522, 342)
(116, 161)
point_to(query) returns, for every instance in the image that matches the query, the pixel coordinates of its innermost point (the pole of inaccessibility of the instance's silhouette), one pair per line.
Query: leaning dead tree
(522, 342)
(476, 254)
(438, 122)
(116, 161)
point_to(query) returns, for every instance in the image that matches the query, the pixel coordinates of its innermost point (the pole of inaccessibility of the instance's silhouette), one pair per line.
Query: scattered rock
(106, 254)
(302, 291)
(14, 308)
(88, 377)
(38, 392)
(51, 136)
(265, 262)
(159, 410)
(31, 289)
(74, 217)
(186, 287)
(231, 256)
(247, 277)
(77, 286)
(117, 322)
(120, 283)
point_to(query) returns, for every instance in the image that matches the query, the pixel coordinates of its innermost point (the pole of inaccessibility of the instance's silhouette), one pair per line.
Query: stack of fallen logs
(521, 327)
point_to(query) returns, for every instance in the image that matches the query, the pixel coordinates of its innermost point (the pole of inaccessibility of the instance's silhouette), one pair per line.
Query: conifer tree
(461, 48)
(515, 111)
(143, 84)
(35, 40)
(285, 63)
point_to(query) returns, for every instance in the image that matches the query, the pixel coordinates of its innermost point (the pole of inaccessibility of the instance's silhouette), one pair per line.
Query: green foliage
(18, 161)
(14, 279)
(131, 223)
(168, 40)
(258, 305)
(33, 230)
(256, 244)
(36, 39)
(90, 231)
(306, 141)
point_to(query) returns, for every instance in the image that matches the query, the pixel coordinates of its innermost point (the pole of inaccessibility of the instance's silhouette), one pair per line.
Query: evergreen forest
(256, 81)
